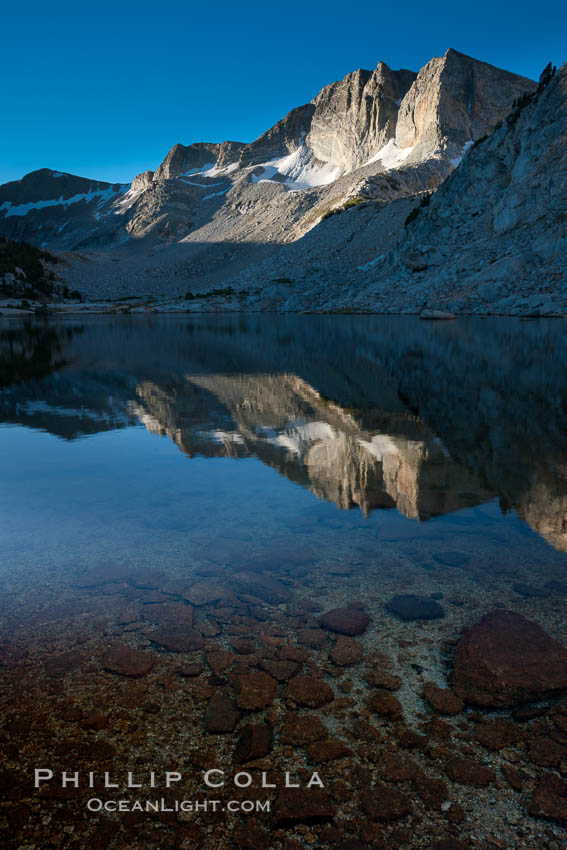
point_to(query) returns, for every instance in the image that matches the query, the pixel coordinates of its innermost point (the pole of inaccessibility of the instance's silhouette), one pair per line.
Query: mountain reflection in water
(365, 412)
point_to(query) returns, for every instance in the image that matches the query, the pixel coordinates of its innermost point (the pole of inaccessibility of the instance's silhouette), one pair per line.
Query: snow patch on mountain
(458, 159)
(10, 209)
(202, 169)
(299, 170)
(390, 156)
(201, 185)
(210, 169)
(128, 199)
(216, 194)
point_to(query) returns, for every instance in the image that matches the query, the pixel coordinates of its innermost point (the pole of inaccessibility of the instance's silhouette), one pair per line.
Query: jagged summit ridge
(454, 100)
(501, 217)
(211, 210)
(356, 117)
(491, 240)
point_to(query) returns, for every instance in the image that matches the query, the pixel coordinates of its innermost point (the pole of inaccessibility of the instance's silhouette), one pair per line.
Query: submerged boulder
(505, 660)
(408, 606)
(346, 621)
(126, 661)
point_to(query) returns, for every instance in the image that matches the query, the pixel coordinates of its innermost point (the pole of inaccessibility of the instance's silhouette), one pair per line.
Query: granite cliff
(233, 213)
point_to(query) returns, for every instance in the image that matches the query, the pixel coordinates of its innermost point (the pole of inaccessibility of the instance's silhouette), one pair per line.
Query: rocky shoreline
(527, 307)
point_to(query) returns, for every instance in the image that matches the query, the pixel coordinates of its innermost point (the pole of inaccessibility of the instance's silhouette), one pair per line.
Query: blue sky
(105, 92)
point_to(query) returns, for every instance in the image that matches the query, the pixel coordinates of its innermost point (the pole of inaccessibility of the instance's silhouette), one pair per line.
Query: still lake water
(147, 440)
(354, 458)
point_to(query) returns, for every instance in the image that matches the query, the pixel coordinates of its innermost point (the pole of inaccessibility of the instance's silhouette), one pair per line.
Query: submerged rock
(221, 714)
(126, 661)
(550, 799)
(282, 671)
(411, 607)
(256, 691)
(451, 559)
(385, 704)
(309, 691)
(346, 652)
(254, 742)
(469, 772)
(346, 621)
(268, 589)
(172, 615)
(329, 750)
(206, 592)
(248, 836)
(383, 679)
(529, 591)
(496, 733)
(441, 699)
(385, 804)
(506, 659)
(557, 586)
(301, 730)
(176, 639)
(297, 805)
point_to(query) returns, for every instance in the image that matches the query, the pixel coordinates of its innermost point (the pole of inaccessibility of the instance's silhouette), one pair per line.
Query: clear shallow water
(346, 458)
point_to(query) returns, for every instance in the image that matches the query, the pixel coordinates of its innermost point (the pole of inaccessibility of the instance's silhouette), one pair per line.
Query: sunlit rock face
(380, 134)
(356, 117)
(500, 216)
(283, 138)
(181, 160)
(455, 99)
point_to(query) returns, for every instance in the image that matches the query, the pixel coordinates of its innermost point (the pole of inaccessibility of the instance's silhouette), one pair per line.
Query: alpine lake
(275, 547)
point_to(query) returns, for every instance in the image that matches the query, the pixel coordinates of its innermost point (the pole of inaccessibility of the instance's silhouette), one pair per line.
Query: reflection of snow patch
(390, 156)
(437, 441)
(298, 435)
(379, 446)
(43, 408)
(146, 419)
(221, 436)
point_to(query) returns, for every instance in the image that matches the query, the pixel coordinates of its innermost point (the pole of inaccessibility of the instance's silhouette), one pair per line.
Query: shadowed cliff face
(369, 413)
